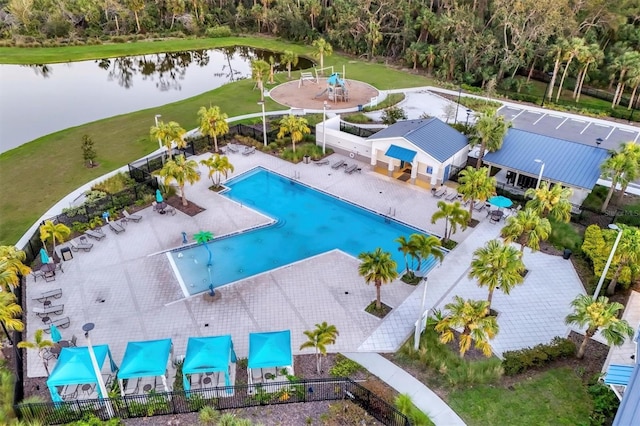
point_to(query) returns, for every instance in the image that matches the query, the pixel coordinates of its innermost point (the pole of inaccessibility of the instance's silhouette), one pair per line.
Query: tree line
(476, 42)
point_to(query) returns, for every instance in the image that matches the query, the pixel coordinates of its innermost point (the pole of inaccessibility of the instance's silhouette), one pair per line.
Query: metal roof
(430, 135)
(400, 153)
(629, 409)
(567, 162)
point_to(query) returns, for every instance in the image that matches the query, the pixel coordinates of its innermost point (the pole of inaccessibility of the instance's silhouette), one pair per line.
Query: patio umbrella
(55, 334)
(500, 201)
(159, 198)
(44, 256)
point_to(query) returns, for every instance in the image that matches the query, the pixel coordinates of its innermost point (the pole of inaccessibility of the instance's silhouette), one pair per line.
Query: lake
(40, 99)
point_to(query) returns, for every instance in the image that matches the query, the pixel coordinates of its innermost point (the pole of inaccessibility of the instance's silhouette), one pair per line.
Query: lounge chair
(51, 294)
(80, 246)
(58, 267)
(337, 164)
(350, 169)
(451, 196)
(478, 206)
(170, 210)
(321, 162)
(440, 192)
(116, 227)
(133, 217)
(47, 310)
(132, 386)
(37, 274)
(69, 392)
(249, 150)
(231, 147)
(61, 323)
(96, 234)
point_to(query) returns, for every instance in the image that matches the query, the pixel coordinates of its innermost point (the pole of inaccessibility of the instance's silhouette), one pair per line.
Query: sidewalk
(423, 398)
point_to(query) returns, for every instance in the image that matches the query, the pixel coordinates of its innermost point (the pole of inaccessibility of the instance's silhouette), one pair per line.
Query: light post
(103, 390)
(264, 123)
(541, 170)
(598, 141)
(606, 267)
(416, 335)
(159, 141)
(458, 105)
(324, 134)
(468, 115)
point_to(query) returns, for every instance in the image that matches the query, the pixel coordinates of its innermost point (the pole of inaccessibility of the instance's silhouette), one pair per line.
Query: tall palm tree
(623, 64)
(574, 48)
(556, 50)
(213, 123)
(551, 202)
(591, 54)
(526, 228)
(11, 267)
(294, 126)
(39, 344)
(322, 49)
(621, 168)
(168, 133)
(627, 254)
(453, 215)
(476, 186)
(634, 82)
(55, 232)
(182, 171)
(597, 315)
(9, 314)
(497, 266)
(472, 316)
(631, 152)
(490, 130)
(425, 246)
(323, 335)
(379, 268)
(406, 247)
(260, 69)
(289, 58)
(218, 166)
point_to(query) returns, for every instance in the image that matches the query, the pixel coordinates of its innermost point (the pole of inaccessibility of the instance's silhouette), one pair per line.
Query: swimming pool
(307, 223)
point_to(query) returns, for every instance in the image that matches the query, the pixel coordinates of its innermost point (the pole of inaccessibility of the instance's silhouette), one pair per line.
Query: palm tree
(259, 70)
(634, 81)
(598, 315)
(289, 58)
(9, 314)
(623, 64)
(627, 254)
(294, 126)
(526, 228)
(11, 267)
(323, 335)
(54, 232)
(218, 166)
(551, 202)
(379, 268)
(621, 168)
(454, 215)
(556, 50)
(182, 171)
(477, 326)
(476, 186)
(490, 130)
(631, 152)
(591, 54)
(497, 266)
(40, 345)
(407, 249)
(573, 49)
(213, 123)
(425, 246)
(168, 133)
(322, 49)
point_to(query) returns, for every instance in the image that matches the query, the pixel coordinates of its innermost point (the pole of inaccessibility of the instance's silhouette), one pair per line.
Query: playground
(310, 92)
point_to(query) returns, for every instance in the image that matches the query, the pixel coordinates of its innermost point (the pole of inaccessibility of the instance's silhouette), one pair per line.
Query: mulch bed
(190, 209)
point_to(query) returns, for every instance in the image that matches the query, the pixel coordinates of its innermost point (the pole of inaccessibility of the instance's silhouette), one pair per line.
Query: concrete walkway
(423, 398)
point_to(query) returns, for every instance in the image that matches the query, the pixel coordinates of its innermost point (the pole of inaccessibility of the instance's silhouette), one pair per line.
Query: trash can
(66, 253)
(567, 254)
(305, 159)
(360, 108)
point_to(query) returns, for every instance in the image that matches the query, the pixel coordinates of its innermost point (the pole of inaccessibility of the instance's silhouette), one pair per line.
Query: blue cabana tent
(145, 359)
(74, 367)
(270, 349)
(208, 354)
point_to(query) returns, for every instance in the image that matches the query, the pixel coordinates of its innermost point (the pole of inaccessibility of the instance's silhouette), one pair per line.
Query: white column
(374, 156)
(414, 171)
(390, 167)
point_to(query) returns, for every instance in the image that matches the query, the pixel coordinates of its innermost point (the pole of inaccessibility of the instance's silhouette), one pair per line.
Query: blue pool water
(309, 222)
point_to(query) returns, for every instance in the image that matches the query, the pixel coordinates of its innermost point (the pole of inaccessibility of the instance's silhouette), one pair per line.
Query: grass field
(38, 174)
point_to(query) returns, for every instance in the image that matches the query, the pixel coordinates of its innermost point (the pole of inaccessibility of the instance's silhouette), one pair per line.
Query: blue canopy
(271, 349)
(401, 153)
(143, 359)
(74, 367)
(208, 354)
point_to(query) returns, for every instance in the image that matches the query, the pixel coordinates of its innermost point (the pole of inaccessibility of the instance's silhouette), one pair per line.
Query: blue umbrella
(55, 334)
(159, 198)
(44, 256)
(500, 201)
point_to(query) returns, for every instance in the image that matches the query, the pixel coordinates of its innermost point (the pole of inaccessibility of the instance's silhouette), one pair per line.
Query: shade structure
(208, 355)
(44, 257)
(271, 349)
(55, 333)
(159, 198)
(145, 359)
(74, 367)
(500, 201)
(401, 153)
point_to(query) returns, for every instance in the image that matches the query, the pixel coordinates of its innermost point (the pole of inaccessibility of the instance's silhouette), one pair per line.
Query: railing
(220, 398)
(357, 131)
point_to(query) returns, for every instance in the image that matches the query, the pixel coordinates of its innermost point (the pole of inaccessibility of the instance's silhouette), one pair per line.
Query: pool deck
(130, 293)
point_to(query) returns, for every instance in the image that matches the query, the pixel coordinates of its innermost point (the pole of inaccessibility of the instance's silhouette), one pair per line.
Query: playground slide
(321, 93)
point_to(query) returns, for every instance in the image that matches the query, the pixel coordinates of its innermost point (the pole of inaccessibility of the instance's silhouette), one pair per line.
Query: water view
(41, 99)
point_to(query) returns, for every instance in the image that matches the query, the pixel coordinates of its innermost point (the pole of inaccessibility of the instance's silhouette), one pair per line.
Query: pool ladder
(296, 175)
(392, 213)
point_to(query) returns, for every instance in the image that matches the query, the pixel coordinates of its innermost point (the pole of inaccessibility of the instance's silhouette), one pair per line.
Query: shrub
(357, 118)
(344, 367)
(393, 114)
(519, 361)
(218, 31)
(114, 184)
(605, 402)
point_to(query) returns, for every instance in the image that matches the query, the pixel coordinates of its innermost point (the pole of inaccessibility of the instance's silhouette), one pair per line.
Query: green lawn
(38, 174)
(556, 397)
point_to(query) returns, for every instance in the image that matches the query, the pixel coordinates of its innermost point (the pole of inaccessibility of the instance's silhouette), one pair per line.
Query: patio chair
(337, 164)
(133, 217)
(249, 150)
(132, 386)
(116, 227)
(95, 234)
(350, 169)
(321, 162)
(495, 218)
(80, 246)
(37, 274)
(440, 192)
(74, 341)
(59, 266)
(51, 294)
(69, 392)
(232, 148)
(47, 354)
(170, 210)
(478, 206)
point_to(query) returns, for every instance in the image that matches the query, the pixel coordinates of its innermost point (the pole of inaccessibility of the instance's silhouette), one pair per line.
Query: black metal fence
(222, 398)
(357, 131)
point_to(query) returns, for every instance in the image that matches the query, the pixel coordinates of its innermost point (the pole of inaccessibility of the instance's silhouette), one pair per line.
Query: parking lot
(584, 129)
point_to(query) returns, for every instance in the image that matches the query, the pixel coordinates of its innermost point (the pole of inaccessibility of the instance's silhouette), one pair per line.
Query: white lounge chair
(249, 150)
(350, 169)
(337, 164)
(48, 310)
(80, 246)
(95, 233)
(232, 148)
(116, 227)
(133, 217)
(51, 294)
(321, 162)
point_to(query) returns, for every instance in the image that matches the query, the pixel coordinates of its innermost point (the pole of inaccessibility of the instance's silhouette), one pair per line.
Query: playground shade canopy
(208, 355)
(74, 367)
(271, 349)
(145, 359)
